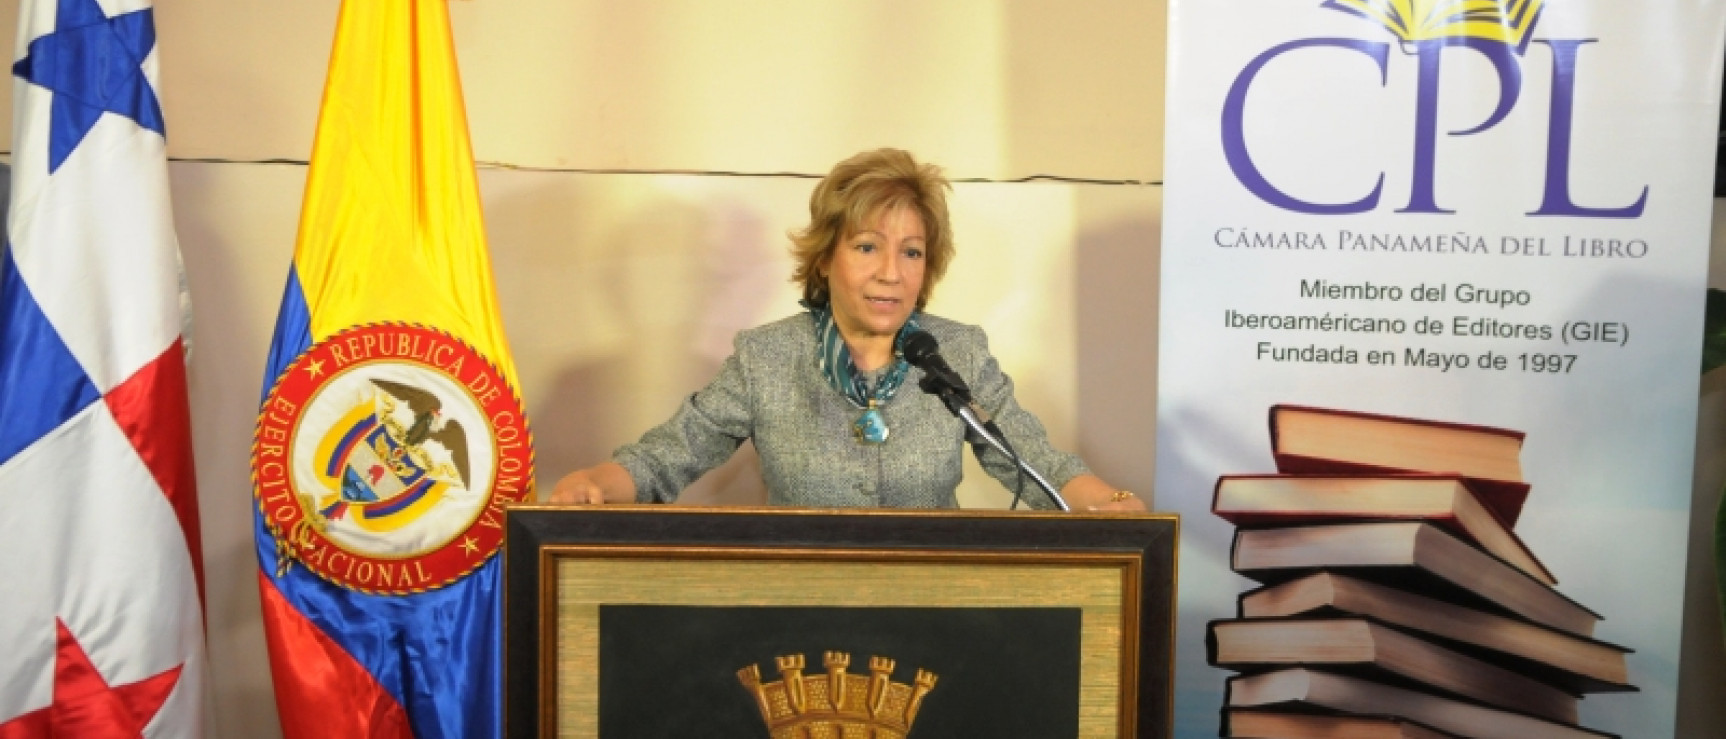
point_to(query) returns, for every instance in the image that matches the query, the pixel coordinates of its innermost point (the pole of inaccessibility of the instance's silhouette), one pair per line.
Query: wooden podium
(646, 621)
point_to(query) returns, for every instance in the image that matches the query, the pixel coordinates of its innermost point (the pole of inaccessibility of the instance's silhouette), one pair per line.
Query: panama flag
(390, 435)
(101, 622)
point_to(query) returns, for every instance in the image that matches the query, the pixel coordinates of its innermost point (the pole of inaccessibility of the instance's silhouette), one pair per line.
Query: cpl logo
(1499, 30)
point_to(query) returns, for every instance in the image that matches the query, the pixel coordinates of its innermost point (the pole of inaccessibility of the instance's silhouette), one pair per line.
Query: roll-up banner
(1432, 290)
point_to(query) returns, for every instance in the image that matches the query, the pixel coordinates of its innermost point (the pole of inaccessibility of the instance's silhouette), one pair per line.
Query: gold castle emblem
(837, 705)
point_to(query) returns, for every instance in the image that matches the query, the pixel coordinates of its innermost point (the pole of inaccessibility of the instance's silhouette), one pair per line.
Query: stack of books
(1396, 599)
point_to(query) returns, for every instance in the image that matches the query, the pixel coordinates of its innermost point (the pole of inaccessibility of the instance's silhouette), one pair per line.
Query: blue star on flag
(94, 64)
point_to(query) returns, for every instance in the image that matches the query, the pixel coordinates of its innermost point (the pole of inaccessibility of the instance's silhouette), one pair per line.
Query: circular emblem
(384, 455)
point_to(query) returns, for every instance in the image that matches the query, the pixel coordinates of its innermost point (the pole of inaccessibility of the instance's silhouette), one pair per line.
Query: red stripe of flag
(321, 690)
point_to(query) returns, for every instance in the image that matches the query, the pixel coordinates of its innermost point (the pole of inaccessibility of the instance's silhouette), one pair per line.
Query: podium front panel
(641, 621)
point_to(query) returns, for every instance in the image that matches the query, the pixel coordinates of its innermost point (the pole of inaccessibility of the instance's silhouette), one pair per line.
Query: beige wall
(625, 257)
(990, 88)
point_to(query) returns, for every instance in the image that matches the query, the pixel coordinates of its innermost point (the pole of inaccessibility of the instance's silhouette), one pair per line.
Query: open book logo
(1412, 21)
(1430, 35)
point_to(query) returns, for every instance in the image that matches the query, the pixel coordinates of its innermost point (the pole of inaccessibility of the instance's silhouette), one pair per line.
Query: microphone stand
(960, 405)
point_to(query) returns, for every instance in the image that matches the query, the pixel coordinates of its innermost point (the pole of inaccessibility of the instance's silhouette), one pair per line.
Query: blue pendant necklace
(842, 375)
(871, 427)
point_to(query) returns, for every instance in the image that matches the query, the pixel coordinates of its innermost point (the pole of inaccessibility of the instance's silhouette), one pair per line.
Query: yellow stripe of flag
(390, 228)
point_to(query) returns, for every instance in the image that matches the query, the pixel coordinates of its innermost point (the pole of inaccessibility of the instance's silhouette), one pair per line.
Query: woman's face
(876, 273)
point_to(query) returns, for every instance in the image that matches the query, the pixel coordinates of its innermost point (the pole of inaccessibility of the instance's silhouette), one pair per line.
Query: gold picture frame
(1111, 577)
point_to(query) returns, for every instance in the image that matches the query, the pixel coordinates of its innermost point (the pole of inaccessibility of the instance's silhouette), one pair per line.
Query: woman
(833, 409)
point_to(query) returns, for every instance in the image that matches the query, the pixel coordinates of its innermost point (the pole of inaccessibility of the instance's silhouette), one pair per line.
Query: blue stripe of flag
(293, 333)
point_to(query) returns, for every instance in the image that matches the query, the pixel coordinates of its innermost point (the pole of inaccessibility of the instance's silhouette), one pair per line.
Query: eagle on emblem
(392, 456)
(429, 424)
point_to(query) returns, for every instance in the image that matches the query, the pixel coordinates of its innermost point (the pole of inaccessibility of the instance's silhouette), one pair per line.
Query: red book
(1313, 691)
(1323, 440)
(1364, 648)
(1447, 501)
(1574, 663)
(1257, 724)
(1413, 555)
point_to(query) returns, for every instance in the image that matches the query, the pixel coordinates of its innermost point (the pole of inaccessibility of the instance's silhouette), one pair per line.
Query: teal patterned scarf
(842, 374)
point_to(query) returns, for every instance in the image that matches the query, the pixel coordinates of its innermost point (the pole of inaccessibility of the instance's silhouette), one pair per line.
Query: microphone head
(919, 346)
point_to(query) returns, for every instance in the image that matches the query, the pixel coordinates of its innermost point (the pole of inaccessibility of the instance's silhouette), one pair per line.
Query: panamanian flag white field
(101, 618)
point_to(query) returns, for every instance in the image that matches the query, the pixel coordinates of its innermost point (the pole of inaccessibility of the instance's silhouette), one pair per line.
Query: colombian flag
(390, 434)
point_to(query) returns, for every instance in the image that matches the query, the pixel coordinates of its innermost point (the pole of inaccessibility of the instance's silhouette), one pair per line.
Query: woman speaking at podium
(828, 395)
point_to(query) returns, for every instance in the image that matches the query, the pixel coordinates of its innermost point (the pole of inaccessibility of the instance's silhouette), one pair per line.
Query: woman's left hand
(1088, 493)
(1130, 502)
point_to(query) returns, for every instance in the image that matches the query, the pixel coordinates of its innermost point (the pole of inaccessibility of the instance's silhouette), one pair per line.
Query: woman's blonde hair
(856, 191)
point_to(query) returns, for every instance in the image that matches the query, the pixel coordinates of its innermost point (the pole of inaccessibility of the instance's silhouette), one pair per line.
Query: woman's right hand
(577, 488)
(604, 483)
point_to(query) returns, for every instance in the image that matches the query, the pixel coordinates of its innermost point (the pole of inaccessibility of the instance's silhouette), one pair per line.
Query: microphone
(924, 353)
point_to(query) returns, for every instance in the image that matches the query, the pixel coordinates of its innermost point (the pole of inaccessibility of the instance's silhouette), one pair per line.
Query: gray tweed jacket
(771, 390)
